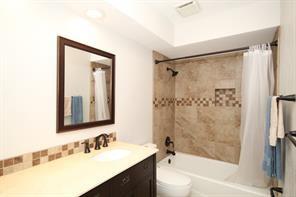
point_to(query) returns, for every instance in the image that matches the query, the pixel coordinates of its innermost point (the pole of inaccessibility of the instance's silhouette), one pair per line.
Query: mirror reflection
(87, 87)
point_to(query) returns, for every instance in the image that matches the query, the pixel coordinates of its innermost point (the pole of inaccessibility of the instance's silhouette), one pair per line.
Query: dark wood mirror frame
(62, 42)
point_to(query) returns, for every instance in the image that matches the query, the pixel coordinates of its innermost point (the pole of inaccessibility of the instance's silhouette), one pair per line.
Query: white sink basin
(112, 155)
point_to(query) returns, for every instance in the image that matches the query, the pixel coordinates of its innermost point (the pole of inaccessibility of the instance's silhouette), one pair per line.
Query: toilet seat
(172, 184)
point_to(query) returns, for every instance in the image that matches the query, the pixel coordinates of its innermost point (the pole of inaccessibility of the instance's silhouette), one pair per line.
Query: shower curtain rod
(274, 43)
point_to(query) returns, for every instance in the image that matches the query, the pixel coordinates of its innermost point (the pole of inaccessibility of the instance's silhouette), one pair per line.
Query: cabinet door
(100, 191)
(122, 185)
(145, 188)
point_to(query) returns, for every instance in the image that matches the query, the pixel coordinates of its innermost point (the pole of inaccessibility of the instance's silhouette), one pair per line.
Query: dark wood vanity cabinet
(137, 181)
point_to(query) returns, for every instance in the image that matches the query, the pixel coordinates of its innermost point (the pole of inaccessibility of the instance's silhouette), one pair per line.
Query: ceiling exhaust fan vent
(188, 9)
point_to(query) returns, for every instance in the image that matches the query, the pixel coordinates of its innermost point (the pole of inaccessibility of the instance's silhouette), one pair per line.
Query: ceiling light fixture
(94, 13)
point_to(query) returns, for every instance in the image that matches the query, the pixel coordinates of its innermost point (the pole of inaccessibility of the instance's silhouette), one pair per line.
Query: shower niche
(86, 82)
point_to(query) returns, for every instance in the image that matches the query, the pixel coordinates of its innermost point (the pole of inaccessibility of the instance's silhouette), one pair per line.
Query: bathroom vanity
(137, 181)
(119, 170)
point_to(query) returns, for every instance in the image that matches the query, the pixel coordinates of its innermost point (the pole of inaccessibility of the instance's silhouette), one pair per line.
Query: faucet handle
(97, 144)
(168, 141)
(86, 146)
(105, 144)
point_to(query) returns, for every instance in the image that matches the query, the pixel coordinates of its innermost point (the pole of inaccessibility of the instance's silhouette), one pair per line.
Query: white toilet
(172, 184)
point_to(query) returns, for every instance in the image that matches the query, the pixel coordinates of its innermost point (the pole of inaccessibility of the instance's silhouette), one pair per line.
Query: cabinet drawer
(122, 183)
(143, 169)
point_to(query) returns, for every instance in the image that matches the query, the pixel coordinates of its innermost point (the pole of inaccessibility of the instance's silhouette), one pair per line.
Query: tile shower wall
(208, 123)
(203, 101)
(21, 162)
(164, 109)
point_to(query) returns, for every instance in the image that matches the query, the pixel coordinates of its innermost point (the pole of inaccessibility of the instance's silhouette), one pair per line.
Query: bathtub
(208, 177)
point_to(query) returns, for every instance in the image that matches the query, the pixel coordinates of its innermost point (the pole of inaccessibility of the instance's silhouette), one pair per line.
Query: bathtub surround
(206, 96)
(164, 108)
(214, 85)
(288, 86)
(21, 162)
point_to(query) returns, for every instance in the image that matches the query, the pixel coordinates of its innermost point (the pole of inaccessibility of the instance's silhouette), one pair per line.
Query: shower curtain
(101, 103)
(257, 85)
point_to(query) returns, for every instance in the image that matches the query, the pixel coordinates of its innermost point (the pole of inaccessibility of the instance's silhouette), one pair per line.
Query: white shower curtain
(101, 98)
(257, 85)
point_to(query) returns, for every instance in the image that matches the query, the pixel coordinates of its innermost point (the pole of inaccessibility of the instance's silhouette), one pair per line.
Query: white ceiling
(220, 24)
(207, 7)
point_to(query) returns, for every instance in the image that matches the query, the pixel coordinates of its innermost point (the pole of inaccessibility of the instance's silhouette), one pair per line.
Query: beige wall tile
(202, 130)
(44, 159)
(27, 164)
(200, 126)
(8, 170)
(18, 167)
(52, 150)
(163, 116)
(27, 157)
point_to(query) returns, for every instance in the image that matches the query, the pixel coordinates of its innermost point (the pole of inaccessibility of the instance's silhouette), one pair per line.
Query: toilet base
(163, 191)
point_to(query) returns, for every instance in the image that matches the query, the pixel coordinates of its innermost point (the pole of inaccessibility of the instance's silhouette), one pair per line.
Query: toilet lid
(171, 178)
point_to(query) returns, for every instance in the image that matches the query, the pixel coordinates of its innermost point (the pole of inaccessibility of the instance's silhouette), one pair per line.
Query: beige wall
(288, 86)
(28, 76)
(163, 104)
(207, 111)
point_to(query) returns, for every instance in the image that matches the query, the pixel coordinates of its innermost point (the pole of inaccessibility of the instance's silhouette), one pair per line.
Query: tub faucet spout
(171, 152)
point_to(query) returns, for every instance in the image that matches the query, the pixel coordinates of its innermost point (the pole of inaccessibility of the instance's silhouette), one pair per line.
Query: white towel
(67, 106)
(276, 121)
(273, 122)
(280, 127)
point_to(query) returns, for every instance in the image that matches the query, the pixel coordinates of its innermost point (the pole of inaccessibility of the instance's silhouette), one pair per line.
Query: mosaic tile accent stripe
(222, 99)
(163, 102)
(200, 102)
(226, 97)
(21, 162)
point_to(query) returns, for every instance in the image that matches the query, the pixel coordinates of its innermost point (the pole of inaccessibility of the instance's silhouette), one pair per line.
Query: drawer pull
(125, 180)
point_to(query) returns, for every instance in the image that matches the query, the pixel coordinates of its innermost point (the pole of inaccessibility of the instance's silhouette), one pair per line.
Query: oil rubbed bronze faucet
(105, 139)
(169, 142)
(86, 146)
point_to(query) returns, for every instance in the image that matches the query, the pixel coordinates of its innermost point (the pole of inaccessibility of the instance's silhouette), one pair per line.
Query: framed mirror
(86, 86)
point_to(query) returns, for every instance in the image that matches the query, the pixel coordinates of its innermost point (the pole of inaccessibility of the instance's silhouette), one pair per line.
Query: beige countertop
(72, 175)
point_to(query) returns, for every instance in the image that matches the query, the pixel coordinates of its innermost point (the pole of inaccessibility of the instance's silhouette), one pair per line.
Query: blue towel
(76, 110)
(272, 161)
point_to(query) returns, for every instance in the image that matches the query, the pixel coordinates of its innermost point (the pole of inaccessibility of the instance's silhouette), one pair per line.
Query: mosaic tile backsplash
(21, 162)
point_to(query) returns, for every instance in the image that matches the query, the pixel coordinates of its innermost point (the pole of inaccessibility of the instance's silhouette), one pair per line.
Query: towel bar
(291, 136)
(291, 97)
(275, 189)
